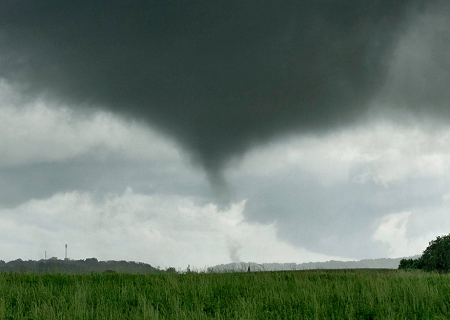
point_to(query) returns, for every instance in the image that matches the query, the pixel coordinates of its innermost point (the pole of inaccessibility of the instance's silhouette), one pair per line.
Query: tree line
(91, 265)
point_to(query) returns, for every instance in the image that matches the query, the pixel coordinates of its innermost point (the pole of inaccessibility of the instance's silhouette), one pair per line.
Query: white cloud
(38, 132)
(409, 233)
(382, 152)
(160, 230)
(392, 231)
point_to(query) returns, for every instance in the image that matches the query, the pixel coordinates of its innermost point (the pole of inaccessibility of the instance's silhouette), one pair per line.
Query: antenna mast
(66, 253)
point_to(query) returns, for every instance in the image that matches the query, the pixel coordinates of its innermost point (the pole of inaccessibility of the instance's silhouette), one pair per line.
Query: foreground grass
(319, 294)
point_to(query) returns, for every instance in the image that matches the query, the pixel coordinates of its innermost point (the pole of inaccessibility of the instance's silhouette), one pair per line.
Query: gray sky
(201, 132)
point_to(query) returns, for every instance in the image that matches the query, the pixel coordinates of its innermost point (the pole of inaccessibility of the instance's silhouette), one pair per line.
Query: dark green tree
(406, 264)
(409, 264)
(437, 256)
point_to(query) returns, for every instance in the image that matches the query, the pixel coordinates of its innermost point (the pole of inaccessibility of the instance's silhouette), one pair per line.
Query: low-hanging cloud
(219, 76)
(164, 231)
(336, 194)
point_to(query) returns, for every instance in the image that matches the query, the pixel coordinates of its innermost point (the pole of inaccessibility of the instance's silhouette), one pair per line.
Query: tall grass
(318, 294)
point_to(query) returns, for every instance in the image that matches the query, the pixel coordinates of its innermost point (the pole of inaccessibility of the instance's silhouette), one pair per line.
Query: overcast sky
(204, 132)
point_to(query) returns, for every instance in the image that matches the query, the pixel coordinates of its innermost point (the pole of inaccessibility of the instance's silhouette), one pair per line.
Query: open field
(312, 294)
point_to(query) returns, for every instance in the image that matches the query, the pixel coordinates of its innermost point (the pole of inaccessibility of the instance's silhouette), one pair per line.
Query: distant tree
(408, 264)
(171, 270)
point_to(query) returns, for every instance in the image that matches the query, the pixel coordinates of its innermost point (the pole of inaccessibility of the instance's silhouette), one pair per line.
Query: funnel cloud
(218, 76)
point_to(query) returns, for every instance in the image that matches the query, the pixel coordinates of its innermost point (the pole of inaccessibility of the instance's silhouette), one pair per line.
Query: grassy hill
(309, 294)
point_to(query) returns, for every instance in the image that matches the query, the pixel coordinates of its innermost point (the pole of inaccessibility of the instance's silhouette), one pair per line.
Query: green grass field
(318, 294)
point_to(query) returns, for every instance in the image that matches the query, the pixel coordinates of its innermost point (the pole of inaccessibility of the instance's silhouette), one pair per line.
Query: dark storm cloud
(419, 76)
(219, 76)
(42, 180)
